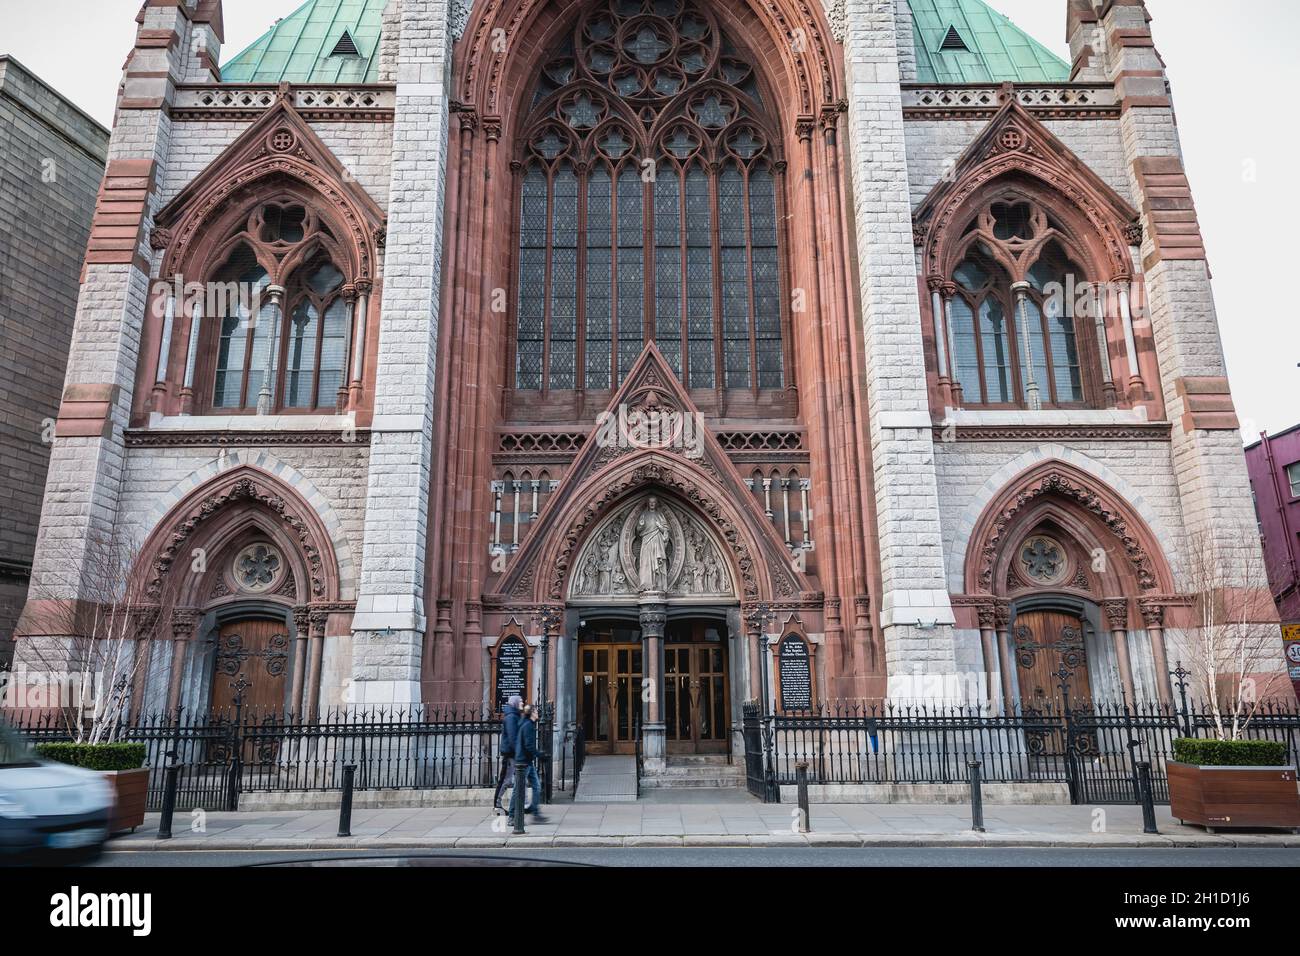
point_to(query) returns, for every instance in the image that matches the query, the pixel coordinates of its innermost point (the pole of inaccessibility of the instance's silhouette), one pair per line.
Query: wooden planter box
(132, 791)
(1223, 797)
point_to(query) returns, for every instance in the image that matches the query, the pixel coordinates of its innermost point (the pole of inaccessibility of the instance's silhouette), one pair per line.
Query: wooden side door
(257, 651)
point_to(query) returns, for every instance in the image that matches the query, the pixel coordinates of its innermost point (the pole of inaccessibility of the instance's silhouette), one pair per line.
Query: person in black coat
(509, 743)
(526, 752)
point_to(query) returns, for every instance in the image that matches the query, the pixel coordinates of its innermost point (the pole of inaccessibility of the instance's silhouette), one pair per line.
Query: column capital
(1153, 613)
(1116, 610)
(652, 614)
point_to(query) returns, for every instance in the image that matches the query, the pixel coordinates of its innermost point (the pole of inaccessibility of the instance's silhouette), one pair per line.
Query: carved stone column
(1117, 621)
(184, 621)
(1153, 618)
(988, 646)
(318, 618)
(654, 619)
(301, 619)
(145, 627)
(1002, 622)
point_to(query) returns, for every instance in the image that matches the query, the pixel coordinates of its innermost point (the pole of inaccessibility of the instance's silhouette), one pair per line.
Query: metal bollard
(976, 798)
(345, 808)
(170, 782)
(521, 784)
(801, 778)
(1148, 798)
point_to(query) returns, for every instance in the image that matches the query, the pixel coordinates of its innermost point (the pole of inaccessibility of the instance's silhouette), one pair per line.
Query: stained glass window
(306, 351)
(1006, 338)
(624, 237)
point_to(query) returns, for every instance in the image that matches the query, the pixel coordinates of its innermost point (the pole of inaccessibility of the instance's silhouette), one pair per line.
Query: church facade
(643, 351)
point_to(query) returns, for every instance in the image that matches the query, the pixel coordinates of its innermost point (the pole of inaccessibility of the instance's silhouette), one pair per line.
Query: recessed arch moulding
(799, 73)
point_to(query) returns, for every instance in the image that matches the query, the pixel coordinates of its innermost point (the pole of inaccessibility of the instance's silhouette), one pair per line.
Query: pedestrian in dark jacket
(526, 752)
(509, 743)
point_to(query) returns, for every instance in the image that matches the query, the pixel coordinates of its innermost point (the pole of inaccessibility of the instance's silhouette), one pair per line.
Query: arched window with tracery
(649, 207)
(283, 320)
(1018, 331)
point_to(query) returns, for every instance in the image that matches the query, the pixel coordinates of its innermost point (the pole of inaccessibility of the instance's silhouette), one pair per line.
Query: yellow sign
(1291, 632)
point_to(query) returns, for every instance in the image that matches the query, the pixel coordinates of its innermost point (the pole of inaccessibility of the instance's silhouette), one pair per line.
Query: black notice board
(796, 674)
(512, 670)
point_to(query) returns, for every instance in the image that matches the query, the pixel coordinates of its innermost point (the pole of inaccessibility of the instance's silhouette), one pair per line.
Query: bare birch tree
(1234, 647)
(92, 623)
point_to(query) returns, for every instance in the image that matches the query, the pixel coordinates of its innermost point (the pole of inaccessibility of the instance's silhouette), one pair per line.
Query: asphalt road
(738, 857)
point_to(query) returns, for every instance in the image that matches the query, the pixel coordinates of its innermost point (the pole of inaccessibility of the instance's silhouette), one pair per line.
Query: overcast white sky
(1233, 69)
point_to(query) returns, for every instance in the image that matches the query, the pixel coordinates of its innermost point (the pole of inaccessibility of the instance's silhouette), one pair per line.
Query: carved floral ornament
(1060, 485)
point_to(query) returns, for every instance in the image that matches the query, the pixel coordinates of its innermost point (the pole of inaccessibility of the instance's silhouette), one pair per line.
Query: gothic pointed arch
(270, 270)
(651, 441)
(242, 532)
(1016, 152)
(278, 154)
(1116, 552)
(792, 37)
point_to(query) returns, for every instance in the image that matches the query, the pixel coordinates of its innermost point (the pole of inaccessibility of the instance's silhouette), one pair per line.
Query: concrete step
(692, 783)
(671, 772)
(696, 772)
(702, 760)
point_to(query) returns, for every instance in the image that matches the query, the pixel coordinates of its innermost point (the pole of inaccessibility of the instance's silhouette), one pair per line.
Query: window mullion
(325, 305)
(683, 263)
(548, 286)
(582, 175)
(749, 287)
(977, 316)
(715, 239)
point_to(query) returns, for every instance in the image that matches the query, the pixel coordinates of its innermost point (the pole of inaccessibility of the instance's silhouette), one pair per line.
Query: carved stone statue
(652, 531)
(651, 545)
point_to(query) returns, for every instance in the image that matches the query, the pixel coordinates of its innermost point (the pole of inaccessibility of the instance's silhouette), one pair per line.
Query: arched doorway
(657, 610)
(1058, 563)
(696, 701)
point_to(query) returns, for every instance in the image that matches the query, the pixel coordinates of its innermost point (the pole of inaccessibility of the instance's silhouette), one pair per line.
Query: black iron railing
(1091, 747)
(224, 754)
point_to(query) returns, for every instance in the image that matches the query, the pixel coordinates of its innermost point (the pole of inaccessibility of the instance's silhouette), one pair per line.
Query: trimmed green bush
(1230, 753)
(95, 756)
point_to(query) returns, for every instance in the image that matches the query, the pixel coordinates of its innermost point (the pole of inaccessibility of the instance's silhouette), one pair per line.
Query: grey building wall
(52, 159)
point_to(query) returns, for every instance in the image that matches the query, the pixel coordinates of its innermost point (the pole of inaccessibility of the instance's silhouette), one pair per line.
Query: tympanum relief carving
(651, 545)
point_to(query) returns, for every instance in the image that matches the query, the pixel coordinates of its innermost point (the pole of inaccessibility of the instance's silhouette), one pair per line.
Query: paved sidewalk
(690, 824)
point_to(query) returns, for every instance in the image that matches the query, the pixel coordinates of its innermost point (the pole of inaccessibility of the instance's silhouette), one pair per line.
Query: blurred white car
(49, 810)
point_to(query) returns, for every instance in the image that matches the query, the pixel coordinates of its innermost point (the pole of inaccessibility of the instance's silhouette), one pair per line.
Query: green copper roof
(999, 51)
(297, 49)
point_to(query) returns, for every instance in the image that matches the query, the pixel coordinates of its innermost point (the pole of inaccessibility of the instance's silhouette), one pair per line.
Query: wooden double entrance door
(695, 691)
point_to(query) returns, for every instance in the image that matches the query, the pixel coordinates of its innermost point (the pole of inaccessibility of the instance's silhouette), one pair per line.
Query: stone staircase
(697, 772)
